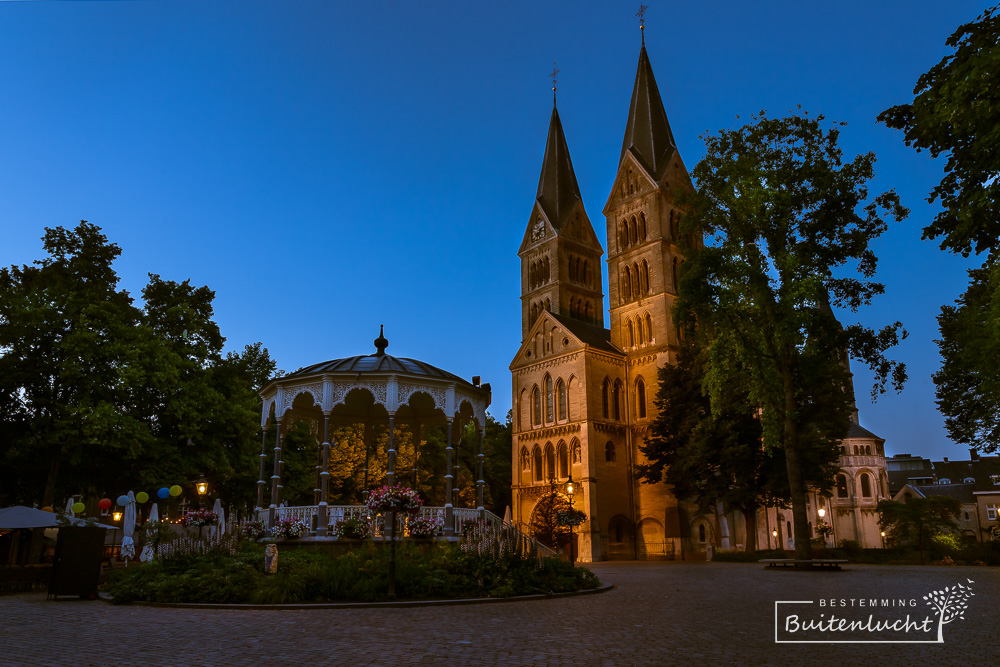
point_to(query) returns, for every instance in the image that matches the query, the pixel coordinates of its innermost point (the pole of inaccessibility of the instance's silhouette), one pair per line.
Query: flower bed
(353, 529)
(289, 528)
(424, 528)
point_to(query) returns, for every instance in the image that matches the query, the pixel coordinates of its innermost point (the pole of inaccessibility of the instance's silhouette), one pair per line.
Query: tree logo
(950, 603)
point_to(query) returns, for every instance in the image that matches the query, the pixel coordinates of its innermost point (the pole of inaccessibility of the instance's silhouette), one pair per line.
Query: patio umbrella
(147, 549)
(506, 516)
(69, 507)
(217, 508)
(13, 518)
(128, 527)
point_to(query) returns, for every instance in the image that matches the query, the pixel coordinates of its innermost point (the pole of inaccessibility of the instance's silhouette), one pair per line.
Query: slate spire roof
(558, 191)
(647, 133)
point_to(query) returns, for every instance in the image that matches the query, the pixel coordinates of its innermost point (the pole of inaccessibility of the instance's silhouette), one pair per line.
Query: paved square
(659, 614)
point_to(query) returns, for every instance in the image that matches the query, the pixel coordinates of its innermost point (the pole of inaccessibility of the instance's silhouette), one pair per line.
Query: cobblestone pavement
(659, 614)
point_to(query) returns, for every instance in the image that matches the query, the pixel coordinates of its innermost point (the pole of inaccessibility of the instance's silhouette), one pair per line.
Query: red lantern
(104, 503)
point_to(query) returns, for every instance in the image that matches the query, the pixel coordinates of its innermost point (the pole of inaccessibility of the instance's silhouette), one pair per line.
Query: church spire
(647, 132)
(558, 191)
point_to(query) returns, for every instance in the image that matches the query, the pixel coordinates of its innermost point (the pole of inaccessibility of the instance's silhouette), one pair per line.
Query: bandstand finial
(381, 343)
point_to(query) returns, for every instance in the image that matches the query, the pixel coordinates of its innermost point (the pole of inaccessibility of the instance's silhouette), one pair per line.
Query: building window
(701, 532)
(673, 271)
(841, 486)
(616, 402)
(991, 512)
(561, 394)
(630, 330)
(866, 486)
(642, 226)
(605, 397)
(549, 400)
(636, 288)
(563, 461)
(645, 277)
(632, 236)
(627, 284)
(609, 452)
(788, 530)
(640, 398)
(550, 460)
(536, 461)
(536, 407)
(966, 516)
(649, 328)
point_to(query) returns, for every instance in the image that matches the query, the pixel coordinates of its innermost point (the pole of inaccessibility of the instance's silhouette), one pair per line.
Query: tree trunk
(793, 460)
(750, 520)
(48, 497)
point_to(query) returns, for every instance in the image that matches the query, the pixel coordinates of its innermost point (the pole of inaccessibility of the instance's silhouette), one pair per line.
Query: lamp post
(883, 539)
(569, 492)
(822, 513)
(774, 534)
(201, 486)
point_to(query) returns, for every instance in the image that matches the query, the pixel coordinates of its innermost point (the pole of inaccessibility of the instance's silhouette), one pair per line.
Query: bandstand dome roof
(390, 380)
(374, 363)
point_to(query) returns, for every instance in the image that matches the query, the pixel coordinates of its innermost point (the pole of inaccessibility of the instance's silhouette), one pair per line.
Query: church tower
(560, 254)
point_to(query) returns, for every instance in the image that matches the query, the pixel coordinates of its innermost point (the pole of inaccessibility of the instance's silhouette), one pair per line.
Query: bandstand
(376, 388)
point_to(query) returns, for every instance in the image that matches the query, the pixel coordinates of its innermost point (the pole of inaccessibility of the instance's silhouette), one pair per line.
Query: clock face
(538, 231)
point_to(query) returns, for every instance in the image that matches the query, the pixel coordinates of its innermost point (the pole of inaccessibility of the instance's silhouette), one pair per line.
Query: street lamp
(202, 487)
(774, 534)
(883, 539)
(117, 516)
(569, 492)
(822, 512)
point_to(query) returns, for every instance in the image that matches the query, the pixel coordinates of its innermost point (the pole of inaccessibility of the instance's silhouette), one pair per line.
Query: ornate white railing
(338, 513)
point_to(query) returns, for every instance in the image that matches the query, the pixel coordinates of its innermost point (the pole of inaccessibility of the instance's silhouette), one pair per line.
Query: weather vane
(642, 21)
(553, 77)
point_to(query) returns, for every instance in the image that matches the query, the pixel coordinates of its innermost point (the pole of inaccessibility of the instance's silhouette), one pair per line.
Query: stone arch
(576, 452)
(651, 532)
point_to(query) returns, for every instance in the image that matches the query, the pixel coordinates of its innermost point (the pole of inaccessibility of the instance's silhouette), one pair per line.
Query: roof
(375, 363)
(647, 133)
(558, 191)
(589, 334)
(859, 431)
(964, 492)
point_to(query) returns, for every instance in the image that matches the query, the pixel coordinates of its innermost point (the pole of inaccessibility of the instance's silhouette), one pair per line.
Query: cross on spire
(553, 77)
(642, 21)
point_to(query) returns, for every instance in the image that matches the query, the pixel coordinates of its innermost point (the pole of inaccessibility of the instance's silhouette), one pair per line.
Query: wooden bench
(809, 564)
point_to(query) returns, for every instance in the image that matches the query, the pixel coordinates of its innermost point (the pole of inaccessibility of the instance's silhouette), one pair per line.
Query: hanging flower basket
(197, 518)
(394, 499)
(254, 530)
(570, 518)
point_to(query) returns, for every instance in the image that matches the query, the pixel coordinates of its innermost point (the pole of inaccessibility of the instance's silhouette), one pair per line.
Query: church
(583, 388)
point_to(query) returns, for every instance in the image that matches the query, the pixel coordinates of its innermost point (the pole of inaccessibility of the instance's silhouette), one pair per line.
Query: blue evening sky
(327, 167)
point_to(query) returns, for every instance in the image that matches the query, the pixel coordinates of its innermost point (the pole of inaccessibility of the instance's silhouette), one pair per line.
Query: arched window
(640, 398)
(616, 403)
(788, 530)
(630, 333)
(642, 226)
(609, 452)
(536, 407)
(640, 337)
(649, 327)
(563, 461)
(645, 277)
(572, 267)
(841, 486)
(605, 397)
(673, 271)
(701, 532)
(577, 452)
(548, 399)
(550, 461)
(627, 280)
(561, 394)
(586, 272)
(635, 281)
(868, 450)
(536, 460)
(589, 313)
(673, 226)
(866, 486)
(632, 234)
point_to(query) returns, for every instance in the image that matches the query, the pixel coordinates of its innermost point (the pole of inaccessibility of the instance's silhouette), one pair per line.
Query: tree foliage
(709, 453)
(99, 395)
(956, 111)
(787, 226)
(919, 519)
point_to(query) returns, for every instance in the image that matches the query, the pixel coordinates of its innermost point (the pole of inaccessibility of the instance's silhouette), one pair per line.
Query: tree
(545, 524)
(968, 384)
(711, 453)
(956, 111)
(919, 519)
(783, 216)
(69, 340)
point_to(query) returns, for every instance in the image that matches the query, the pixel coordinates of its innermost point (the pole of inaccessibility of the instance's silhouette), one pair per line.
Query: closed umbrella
(147, 549)
(128, 527)
(69, 507)
(217, 508)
